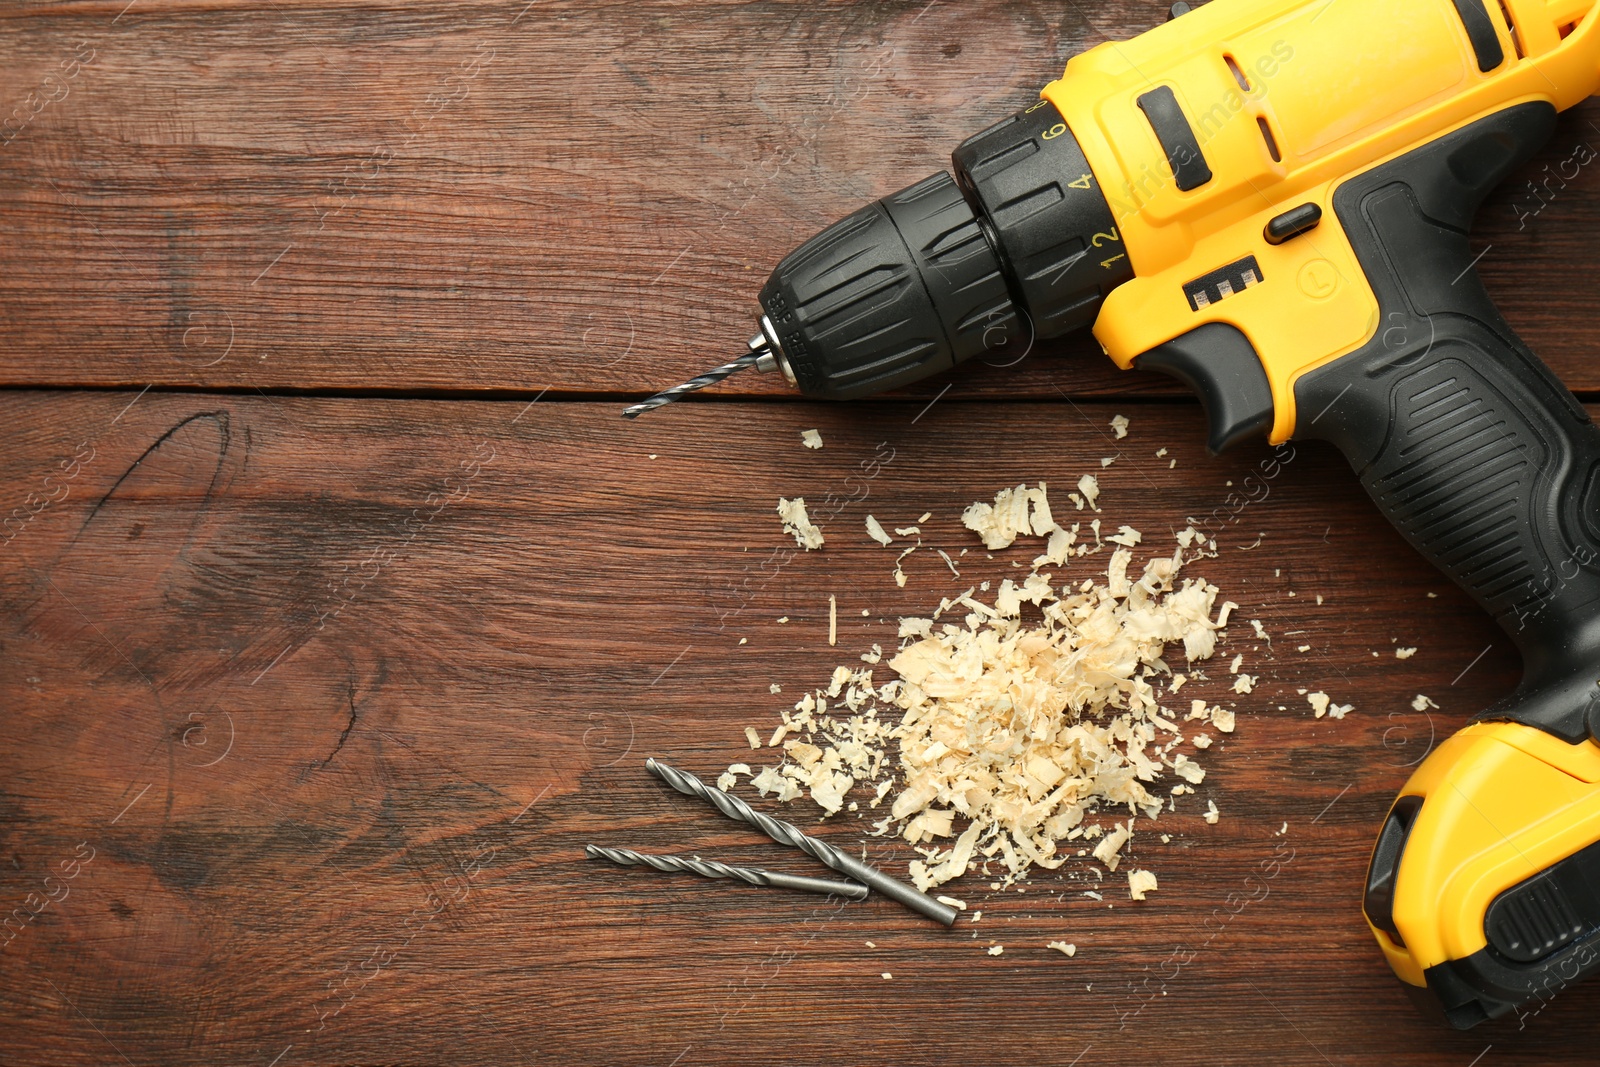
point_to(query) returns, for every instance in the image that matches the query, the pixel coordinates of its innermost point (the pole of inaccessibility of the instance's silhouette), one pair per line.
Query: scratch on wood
(343, 737)
(221, 418)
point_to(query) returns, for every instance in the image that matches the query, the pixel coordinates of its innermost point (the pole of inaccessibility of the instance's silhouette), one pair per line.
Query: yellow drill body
(1332, 88)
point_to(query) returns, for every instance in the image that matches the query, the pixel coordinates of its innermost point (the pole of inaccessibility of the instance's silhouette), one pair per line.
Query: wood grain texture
(314, 701)
(334, 691)
(581, 196)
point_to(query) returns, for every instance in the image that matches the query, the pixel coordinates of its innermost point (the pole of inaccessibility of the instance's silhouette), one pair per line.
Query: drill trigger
(1218, 361)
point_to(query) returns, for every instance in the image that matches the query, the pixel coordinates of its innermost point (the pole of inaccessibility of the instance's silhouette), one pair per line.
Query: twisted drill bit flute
(700, 381)
(627, 857)
(786, 834)
(760, 357)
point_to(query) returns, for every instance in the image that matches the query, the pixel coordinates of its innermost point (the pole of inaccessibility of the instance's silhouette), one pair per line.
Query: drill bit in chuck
(627, 857)
(787, 834)
(760, 357)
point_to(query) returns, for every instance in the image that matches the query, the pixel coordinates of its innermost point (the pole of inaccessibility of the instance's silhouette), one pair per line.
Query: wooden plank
(333, 692)
(584, 197)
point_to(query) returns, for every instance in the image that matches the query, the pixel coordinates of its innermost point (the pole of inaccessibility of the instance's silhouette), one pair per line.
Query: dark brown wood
(577, 196)
(313, 701)
(362, 842)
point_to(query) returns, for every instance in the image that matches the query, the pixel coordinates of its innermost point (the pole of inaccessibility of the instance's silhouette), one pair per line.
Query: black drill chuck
(904, 288)
(1020, 245)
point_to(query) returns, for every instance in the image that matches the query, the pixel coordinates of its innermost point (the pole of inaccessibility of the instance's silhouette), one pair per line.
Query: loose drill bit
(627, 857)
(760, 357)
(786, 834)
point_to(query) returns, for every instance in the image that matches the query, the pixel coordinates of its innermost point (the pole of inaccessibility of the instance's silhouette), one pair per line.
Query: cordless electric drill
(1270, 200)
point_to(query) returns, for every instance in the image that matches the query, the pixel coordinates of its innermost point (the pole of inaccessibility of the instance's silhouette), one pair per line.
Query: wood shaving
(1322, 704)
(948, 562)
(1013, 712)
(1212, 814)
(876, 532)
(1126, 536)
(1119, 426)
(900, 575)
(1110, 846)
(1244, 684)
(833, 621)
(798, 523)
(1015, 739)
(1202, 741)
(925, 516)
(908, 531)
(1058, 550)
(959, 905)
(771, 780)
(1188, 770)
(811, 438)
(774, 688)
(1404, 653)
(1140, 883)
(753, 737)
(1422, 703)
(1015, 512)
(887, 976)
(1064, 947)
(1089, 486)
(997, 950)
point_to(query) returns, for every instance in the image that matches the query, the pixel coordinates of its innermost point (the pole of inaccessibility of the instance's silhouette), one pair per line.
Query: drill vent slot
(1238, 75)
(1272, 142)
(1511, 24)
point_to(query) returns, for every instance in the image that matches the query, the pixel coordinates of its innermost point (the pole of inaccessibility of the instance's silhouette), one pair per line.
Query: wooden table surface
(339, 610)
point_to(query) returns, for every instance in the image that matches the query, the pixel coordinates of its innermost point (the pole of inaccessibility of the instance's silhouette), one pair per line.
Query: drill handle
(1480, 457)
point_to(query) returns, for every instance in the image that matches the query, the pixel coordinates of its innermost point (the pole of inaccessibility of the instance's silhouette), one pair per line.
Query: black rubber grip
(1463, 438)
